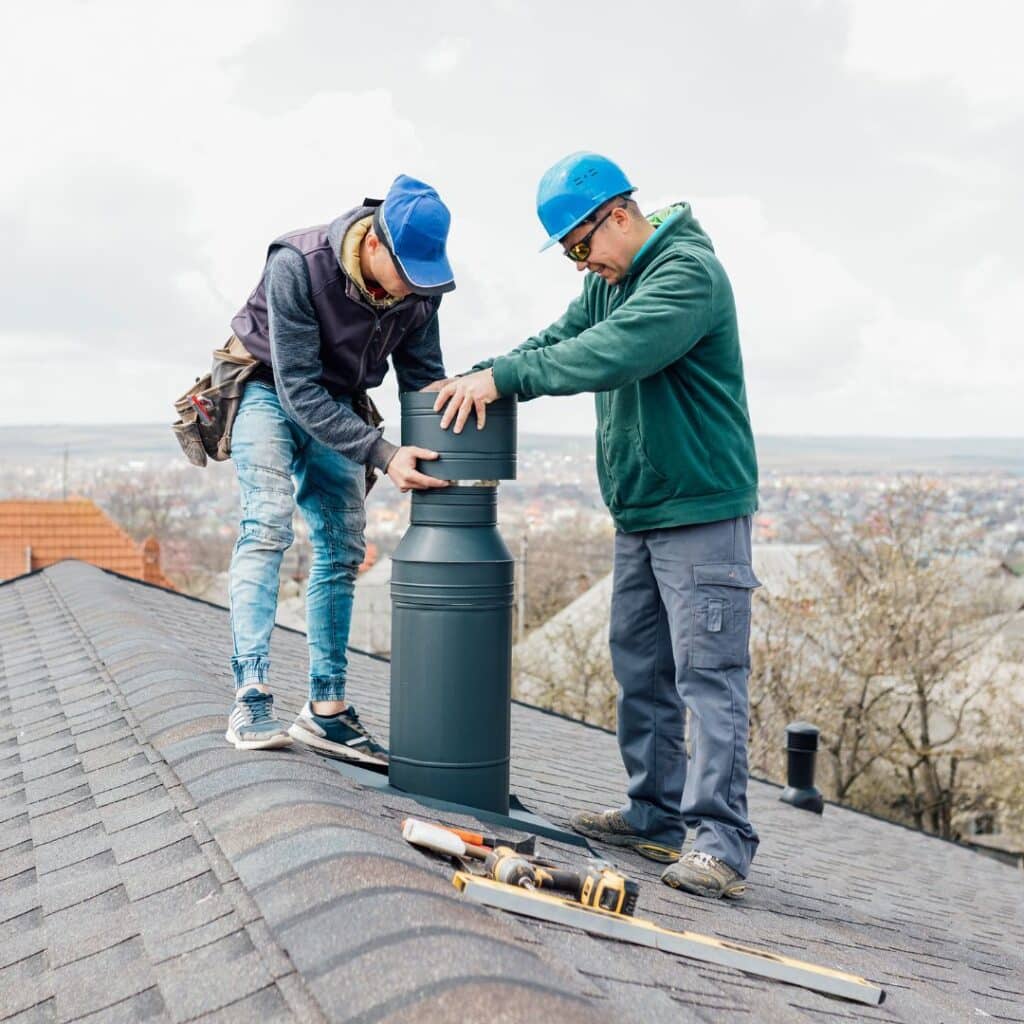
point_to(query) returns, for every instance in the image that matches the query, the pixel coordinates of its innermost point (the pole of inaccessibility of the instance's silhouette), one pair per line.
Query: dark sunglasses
(579, 252)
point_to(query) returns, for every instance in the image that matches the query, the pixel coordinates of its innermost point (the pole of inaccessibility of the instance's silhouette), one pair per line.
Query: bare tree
(565, 666)
(144, 503)
(192, 563)
(564, 562)
(884, 641)
(192, 513)
(563, 663)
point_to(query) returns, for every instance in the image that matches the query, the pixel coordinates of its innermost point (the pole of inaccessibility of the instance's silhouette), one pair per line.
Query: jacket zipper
(377, 333)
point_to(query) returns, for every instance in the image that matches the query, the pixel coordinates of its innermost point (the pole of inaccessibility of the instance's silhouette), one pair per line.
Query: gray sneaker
(251, 723)
(703, 875)
(611, 827)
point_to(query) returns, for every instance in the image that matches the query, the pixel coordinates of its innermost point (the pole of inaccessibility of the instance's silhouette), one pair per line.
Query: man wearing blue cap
(654, 335)
(334, 303)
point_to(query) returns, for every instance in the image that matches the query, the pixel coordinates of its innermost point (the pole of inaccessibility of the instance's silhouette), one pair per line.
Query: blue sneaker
(341, 735)
(251, 723)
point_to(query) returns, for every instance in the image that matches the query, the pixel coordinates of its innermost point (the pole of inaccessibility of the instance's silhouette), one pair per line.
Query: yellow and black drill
(598, 886)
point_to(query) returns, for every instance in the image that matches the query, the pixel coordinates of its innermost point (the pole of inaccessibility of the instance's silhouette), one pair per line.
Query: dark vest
(355, 338)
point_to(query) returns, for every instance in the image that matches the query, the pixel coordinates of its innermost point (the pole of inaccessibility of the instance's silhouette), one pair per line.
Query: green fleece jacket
(661, 350)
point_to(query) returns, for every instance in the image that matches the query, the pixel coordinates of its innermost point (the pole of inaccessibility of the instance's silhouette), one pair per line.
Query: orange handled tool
(526, 847)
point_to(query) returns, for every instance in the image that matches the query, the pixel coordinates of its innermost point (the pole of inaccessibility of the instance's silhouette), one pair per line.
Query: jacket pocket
(648, 465)
(721, 617)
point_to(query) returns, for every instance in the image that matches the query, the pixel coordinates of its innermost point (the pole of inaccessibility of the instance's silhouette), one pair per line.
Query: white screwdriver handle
(440, 840)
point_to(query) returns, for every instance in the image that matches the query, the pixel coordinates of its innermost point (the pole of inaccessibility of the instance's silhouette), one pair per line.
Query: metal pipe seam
(452, 765)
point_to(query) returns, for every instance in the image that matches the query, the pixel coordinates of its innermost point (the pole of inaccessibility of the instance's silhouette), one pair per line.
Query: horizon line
(587, 434)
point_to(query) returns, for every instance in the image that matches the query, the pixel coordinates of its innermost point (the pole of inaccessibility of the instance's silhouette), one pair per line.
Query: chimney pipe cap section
(488, 454)
(801, 749)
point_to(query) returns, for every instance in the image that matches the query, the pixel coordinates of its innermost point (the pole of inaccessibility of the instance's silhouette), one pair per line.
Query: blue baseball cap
(413, 223)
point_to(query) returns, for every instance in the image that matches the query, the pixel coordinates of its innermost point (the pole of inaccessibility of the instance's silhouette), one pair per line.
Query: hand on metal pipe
(404, 474)
(459, 397)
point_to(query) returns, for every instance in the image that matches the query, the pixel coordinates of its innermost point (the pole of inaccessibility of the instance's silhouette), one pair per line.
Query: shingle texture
(148, 871)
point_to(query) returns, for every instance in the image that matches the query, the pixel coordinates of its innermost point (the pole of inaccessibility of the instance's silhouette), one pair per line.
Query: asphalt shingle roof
(148, 871)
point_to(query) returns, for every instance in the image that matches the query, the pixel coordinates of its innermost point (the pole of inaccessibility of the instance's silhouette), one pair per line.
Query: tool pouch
(206, 412)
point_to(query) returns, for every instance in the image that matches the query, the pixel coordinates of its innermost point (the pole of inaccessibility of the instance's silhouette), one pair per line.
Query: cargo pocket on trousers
(346, 532)
(721, 618)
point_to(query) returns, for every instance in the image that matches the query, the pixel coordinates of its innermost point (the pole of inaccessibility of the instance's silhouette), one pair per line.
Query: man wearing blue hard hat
(654, 336)
(333, 305)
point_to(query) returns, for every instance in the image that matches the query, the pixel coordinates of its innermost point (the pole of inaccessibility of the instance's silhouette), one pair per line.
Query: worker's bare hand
(404, 474)
(437, 384)
(461, 396)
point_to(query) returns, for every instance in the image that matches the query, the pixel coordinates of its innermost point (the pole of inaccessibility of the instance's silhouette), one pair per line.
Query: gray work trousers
(680, 642)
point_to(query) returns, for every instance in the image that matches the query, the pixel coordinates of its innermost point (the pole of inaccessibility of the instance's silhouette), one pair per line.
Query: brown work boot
(611, 827)
(703, 875)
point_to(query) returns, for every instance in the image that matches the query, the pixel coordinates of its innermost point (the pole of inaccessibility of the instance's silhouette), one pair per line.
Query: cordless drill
(598, 885)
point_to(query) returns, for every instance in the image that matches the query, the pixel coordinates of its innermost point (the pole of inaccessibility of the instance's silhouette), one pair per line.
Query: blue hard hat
(413, 223)
(574, 188)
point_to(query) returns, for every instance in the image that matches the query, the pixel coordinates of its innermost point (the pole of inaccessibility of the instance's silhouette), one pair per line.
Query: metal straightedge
(689, 944)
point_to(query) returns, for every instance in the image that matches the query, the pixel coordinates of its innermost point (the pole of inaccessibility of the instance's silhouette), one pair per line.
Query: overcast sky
(858, 166)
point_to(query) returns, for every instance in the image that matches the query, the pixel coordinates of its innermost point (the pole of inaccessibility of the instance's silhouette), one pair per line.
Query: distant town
(138, 476)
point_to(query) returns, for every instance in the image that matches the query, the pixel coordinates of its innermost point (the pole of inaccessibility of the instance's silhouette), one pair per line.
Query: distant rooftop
(35, 534)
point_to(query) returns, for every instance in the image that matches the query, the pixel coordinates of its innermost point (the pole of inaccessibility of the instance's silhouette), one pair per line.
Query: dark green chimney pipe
(452, 590)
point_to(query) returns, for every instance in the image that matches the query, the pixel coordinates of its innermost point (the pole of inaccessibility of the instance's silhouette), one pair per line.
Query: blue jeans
(269, 452)
(680, 636)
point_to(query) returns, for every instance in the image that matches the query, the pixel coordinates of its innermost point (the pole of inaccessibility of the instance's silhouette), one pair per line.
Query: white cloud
(974, 49)
(139, 193)
(800, 309)
(58, 379)
(444, 57)
(825, 353)
(915, 378)
(118, 82)
(151, 154)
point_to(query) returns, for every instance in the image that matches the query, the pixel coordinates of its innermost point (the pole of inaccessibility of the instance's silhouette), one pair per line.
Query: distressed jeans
(270, 452)
(680, 638)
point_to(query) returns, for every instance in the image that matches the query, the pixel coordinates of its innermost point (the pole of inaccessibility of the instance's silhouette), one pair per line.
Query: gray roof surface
(148, 871)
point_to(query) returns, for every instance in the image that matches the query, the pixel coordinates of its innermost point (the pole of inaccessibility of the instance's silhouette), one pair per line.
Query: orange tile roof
(77, 528)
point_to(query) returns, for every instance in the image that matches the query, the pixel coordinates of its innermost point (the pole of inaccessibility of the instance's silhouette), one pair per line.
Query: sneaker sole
(652, 851)
(731, 892)
(335, 750)
(272, 743)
